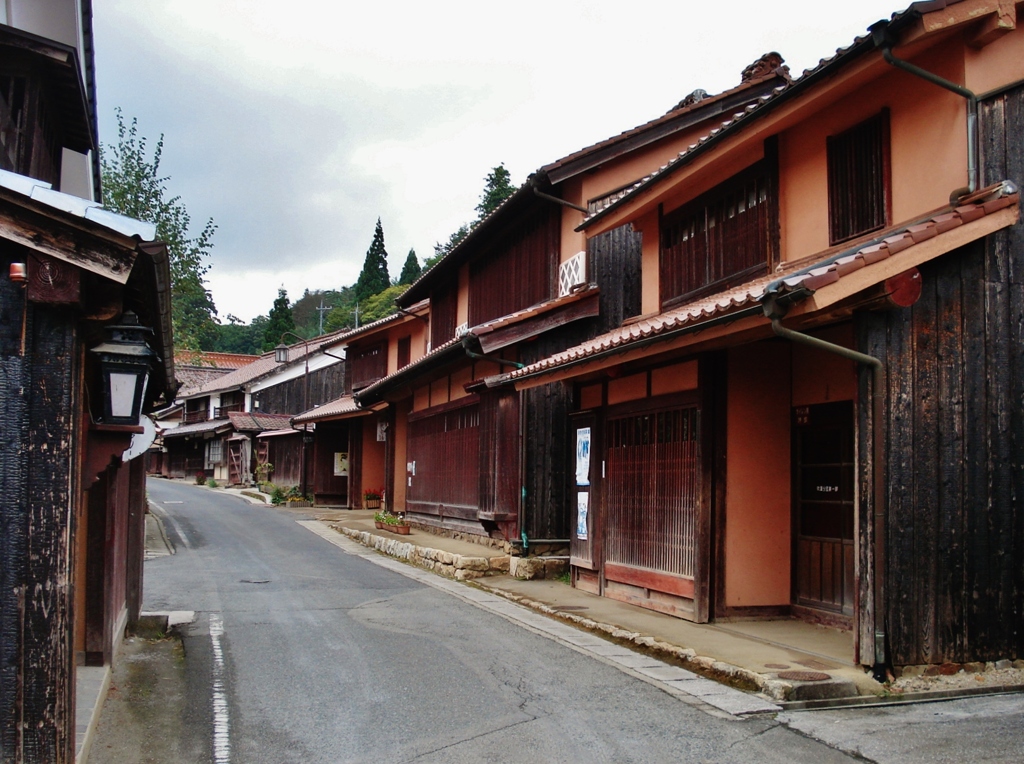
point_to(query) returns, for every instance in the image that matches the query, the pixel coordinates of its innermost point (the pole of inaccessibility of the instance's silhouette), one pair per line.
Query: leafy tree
(497, 188)
(440, 250)
(133, 186)
(342, 316)
(380, 305)
(411, 270)
(279, 321)
(374, 277)
(238, 337)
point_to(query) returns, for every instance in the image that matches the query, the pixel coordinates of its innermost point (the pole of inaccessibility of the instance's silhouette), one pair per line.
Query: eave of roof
(211, 425)
(340, 408)
(61, 64)
(744, 119)
(804, 282)
(464, 250)
(668, 124)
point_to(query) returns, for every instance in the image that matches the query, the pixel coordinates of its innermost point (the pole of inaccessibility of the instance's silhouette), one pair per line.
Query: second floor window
(368, 364)
(720, 238)
(858, 179)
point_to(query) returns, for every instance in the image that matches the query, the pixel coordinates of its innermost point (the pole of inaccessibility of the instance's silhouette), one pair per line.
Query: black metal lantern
(124, 362)
(281, 353)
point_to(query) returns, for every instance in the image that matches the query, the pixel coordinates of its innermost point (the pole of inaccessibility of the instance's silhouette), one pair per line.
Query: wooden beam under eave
(71, 245)
(997, 25)
(993, 18)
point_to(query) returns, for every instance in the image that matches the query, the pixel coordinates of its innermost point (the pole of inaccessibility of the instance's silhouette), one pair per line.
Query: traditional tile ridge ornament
(124, 361)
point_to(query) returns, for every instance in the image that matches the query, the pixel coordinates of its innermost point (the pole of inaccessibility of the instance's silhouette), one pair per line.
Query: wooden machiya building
(222, 421)
(352, 445)
(492, 461)
(77, 281)
(84, 317)
(818, 411)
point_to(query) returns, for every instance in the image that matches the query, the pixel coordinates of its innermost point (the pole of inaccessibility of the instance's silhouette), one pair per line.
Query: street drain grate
(776, 665)
(572, 607)
(804, 676)
(254, 581)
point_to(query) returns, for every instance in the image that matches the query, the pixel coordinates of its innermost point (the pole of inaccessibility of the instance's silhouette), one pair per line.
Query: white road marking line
(221, 722)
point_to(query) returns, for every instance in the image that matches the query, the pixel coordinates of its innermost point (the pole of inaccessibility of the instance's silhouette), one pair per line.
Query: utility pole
(321, 310)
(357, 315)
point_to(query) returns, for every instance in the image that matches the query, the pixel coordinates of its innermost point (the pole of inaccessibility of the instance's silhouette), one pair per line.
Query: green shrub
(211, 483)
(278, 494)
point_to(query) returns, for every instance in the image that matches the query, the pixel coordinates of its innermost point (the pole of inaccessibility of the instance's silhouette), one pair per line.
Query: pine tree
(279, 322)
(411, 270)
(374, 277)
(497, 188)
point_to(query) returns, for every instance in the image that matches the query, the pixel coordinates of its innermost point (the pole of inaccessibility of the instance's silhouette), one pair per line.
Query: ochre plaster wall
(400, 439)
(462, 309)
(997, 64)
(674, 379)
(823, 377)
(757, 503)
(373, 457)
(926, 124)
(631, 388)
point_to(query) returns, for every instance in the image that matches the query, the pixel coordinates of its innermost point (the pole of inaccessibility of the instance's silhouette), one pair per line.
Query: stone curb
(457, 566)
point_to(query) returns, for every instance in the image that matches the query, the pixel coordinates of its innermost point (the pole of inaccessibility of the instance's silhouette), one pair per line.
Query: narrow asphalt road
(303, 653)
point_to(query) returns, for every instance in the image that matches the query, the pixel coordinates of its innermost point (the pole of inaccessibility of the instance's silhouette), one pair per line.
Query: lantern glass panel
(122, 394)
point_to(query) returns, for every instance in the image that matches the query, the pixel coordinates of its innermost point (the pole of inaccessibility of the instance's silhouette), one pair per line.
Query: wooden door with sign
(654, 546)
(823, 485)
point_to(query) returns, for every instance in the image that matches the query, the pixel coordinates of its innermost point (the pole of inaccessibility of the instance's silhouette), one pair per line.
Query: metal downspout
(878, 384)
(880, 34)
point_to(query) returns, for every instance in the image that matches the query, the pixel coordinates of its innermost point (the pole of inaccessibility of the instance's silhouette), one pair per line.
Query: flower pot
(372, 503)
(401, 530)
(379, 524)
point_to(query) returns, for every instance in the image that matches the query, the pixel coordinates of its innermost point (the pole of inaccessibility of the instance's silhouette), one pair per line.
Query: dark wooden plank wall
(444, 307)
(613, 263)
(500, 449)
(285, 453)
(519, 269)
(446, 449)
(325, 385)
(39, 395)
(955, 438)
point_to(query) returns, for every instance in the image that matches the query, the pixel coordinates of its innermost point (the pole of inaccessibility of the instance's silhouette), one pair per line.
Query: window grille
(858, 179)
(721, 237)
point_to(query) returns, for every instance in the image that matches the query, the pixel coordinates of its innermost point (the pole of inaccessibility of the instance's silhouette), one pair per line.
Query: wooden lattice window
(722, 237)
(444, 308)
(858, 179)
(368, 364)
(404, 351)
(518, 270)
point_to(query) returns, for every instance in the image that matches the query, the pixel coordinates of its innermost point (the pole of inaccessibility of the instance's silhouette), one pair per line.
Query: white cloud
(296, 125)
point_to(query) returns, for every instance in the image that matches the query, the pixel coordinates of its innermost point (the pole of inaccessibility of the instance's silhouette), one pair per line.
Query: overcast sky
(295, 125)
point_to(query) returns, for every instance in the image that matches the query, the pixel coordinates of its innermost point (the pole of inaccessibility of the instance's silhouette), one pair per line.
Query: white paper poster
(341, 463)
(582, 507)
(583, 456)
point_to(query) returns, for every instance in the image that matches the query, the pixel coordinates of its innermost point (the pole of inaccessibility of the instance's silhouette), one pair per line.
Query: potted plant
(200, 478)
(378, 519)
(397, 524)
(372, 497)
